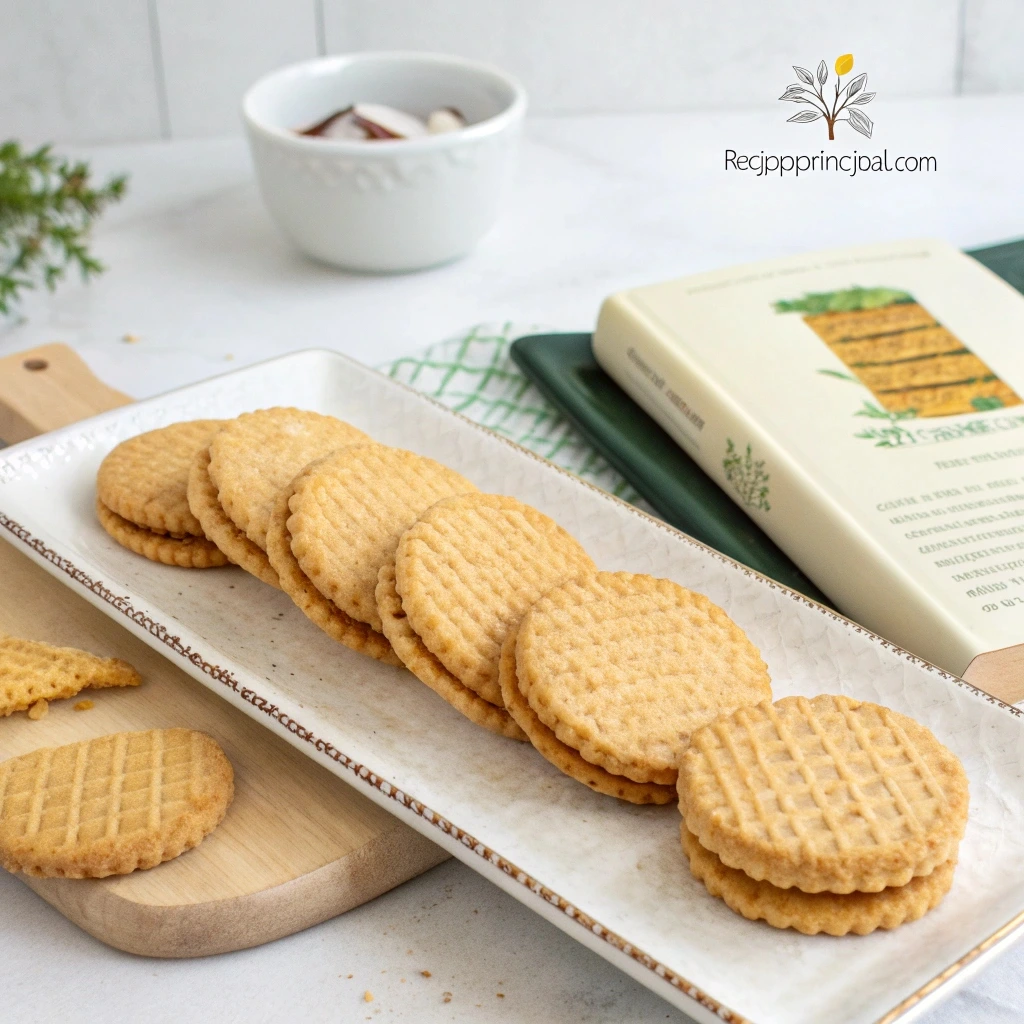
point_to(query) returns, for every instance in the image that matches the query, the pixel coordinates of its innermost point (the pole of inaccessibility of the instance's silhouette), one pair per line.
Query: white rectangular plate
(610, 874)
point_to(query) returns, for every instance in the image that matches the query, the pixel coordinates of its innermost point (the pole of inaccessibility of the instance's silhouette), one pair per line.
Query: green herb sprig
(47, 206)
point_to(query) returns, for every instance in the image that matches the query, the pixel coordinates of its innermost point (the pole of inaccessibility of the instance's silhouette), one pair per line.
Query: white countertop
(199, 276)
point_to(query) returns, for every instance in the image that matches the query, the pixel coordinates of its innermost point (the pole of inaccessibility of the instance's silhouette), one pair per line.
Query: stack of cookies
(459, 578)
(403, 559)
(232, 484)
(142, 499)
(609, 675)
(337, 522)
(824, 815)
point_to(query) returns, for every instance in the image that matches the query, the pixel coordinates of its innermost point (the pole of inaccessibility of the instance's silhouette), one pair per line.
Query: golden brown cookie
(145, 479)
(256, 455)
(814, 912)
(469, 568)
(202, 499)
(317, 608)
(422, 664)
(348, 511)
(564, 758)
(111, 805)
(32, 671)
(623, 667)
(829, 794)
(185, 552)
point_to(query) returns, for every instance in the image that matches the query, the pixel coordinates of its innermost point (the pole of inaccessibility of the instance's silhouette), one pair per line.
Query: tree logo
(847, 98)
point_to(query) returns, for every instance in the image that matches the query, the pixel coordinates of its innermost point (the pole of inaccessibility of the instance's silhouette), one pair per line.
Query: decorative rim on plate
(8, 471)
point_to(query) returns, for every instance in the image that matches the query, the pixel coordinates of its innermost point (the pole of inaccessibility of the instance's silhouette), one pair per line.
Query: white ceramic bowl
(390, 205)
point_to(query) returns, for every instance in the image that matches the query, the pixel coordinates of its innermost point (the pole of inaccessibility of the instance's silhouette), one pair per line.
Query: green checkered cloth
(474, 375)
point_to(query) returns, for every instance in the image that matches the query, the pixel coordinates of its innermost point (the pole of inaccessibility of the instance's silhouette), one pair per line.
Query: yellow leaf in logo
(844, 64)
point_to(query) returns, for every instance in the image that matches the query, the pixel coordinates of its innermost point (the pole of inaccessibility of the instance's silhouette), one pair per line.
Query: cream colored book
(864, 406)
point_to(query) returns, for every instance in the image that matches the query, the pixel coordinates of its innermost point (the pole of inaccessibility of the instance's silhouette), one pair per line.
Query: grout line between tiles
(961, 48)
(321, 28)
(159, 72)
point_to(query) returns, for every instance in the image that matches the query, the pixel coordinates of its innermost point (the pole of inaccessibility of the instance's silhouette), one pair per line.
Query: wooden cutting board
(298, 846)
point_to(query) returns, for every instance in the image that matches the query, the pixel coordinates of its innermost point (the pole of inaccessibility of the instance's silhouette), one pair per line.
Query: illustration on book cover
(912, 364)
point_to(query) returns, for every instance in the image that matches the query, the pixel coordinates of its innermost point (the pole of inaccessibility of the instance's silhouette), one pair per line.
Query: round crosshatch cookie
(318, 609)
(814, 912)
(256, 455)
(623, 667)
(422, 664)
(145, 479)
(567, 760)
(184, 552)
(348, 511)
(202, 500)
(469, 568)
(830, 794)
(111, 805)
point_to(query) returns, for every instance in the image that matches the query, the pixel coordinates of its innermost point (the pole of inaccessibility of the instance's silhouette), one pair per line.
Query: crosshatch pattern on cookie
(563, 757)
(320, 610)
(624, 666)
(145, 478)
(258, 453)
(469, 568)
(112, 804)
(422, 664)
(236, 547)
(31, 671)
(350, 508)
(824, 794)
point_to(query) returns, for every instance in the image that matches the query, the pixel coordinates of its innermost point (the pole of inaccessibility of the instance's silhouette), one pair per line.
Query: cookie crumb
(500, 995)
(348, 976)
(131, 339)
(426, 974)
(446, 997)
(38, 710)
(85, 705)
(367, 996)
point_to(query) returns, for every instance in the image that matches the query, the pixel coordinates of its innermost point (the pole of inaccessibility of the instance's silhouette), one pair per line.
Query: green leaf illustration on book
(983, 403)
(840, 375)
(891, 436)
(746, 476)
(848, 300)
(875, 412)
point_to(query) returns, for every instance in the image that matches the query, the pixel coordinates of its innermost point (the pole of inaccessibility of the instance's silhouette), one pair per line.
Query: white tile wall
(606, 55)
(213, 49)
(994, 46)
(97, 70)
(77, 70)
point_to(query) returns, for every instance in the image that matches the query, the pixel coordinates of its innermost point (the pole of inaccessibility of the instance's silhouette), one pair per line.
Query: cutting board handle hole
(35, 364)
